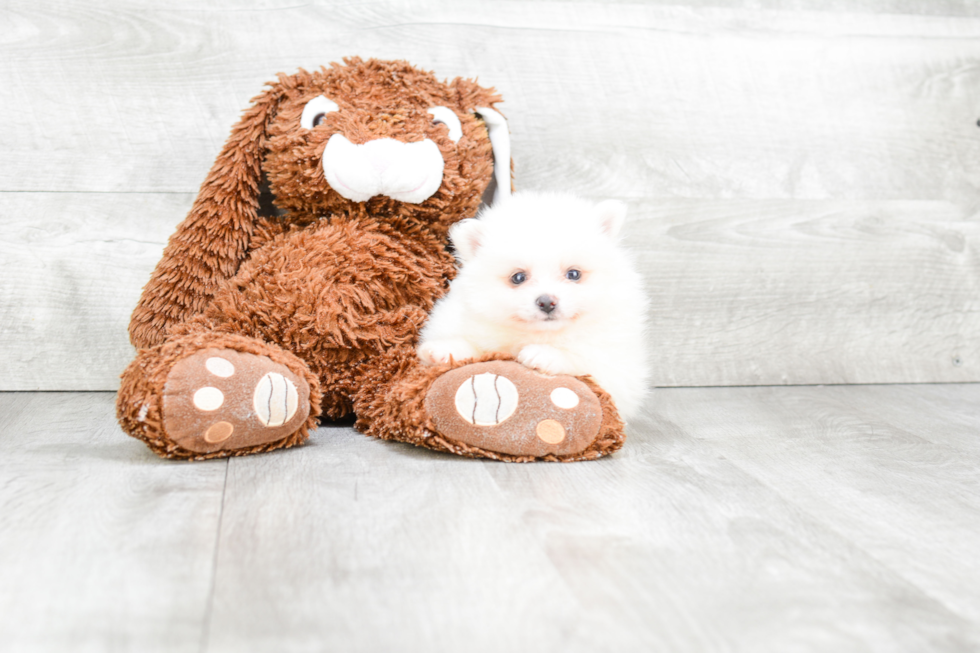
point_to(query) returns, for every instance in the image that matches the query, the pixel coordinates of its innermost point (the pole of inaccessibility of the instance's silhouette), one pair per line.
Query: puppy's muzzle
(407, 172)
(546, 303)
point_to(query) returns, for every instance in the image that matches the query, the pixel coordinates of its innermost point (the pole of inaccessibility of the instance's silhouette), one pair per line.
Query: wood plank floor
(838, 518)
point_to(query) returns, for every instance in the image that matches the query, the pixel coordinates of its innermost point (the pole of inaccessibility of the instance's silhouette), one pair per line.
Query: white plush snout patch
(407, 172)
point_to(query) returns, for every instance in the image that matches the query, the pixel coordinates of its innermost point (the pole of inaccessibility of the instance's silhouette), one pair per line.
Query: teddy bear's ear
(211, 242)
(611, 215)
(467, 237)
(500, 142)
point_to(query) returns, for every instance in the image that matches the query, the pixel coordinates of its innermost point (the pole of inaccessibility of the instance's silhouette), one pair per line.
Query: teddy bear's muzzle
(407, 172)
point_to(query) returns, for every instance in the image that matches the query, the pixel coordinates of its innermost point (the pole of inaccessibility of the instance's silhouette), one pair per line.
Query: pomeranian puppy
(544, 278)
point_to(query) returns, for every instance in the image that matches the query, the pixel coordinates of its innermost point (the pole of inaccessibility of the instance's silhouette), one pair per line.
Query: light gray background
(804, 185)
(803, 182)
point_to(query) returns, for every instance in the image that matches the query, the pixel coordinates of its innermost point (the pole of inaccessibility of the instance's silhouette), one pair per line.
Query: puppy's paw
(438, 352)
(547, 359)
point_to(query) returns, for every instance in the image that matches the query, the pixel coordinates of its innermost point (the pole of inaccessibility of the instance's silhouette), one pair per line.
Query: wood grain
(803, 175)
(743, 292)
(735, 520)
(802, 180)
(73, 267)
(863, 461)
(615, 99)
(795, 292)
(103, 546)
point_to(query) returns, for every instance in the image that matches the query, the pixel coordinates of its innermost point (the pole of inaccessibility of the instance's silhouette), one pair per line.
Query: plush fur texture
(138, 405)
(334, 289)
(379, 99)
(545, 279)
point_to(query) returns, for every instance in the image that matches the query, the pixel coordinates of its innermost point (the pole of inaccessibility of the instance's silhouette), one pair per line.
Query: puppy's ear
(611, 215)
(212, 241)
(467, 238)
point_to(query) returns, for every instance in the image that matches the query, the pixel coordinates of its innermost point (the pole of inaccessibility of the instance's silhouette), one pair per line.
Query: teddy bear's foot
(506, 408)
(223, 400)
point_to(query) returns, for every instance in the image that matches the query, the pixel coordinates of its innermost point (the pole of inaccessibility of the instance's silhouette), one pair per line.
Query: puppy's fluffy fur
(544, 278)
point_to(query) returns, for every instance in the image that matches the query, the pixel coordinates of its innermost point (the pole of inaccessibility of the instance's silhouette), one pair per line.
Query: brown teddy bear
(259, 319)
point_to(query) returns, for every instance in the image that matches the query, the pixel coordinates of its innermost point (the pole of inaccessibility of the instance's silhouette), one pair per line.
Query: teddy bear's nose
(407, 172)
(379, 159)
(546, 303)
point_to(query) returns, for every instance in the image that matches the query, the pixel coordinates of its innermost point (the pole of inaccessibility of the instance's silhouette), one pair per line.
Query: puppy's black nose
(546, 303)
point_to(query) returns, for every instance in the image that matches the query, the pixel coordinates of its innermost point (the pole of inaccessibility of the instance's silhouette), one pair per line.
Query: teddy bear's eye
(446, 116)
(316, 110)
(573, 275)
(518, 278)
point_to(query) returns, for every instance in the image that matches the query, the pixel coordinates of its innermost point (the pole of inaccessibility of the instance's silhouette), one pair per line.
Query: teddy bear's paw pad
(504, 407)
(221, 399)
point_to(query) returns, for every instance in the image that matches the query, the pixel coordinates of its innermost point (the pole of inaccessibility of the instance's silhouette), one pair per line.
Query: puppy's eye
(445, 116)
(573, 275)
(315, 112)
(518, 278)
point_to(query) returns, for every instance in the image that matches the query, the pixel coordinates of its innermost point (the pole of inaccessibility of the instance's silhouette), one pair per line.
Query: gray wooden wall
(803, 176)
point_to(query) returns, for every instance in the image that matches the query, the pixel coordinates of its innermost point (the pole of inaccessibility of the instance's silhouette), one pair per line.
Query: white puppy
(543, 278)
